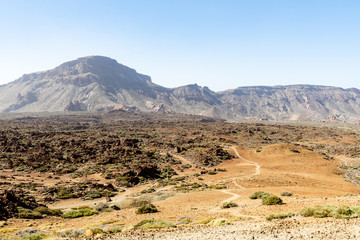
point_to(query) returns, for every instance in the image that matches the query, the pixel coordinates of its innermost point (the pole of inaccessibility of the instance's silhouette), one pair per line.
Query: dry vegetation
(194, 171)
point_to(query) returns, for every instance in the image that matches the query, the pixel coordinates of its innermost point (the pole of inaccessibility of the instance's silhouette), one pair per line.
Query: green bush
(20, 168)
(114, 230)
(147, 208)
(331, 211)
(80, 212)
(307, 212)
(281, 215)
(221, 222)
(28, 213)
(259, 195)
(271, 200)
(186, 166)
(212, 172)
(66, 193)
(324, 211)
(152, 223)
(318, 212)
(229, 204)
(345, 212)
(48, 211)
(34, 237)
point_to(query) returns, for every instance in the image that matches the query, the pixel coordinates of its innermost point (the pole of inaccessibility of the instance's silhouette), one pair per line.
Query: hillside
(294, 102)
(99, 83)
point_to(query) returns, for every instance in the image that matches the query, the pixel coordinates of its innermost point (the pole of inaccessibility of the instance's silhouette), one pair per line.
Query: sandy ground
(313, 180)
(284, 229)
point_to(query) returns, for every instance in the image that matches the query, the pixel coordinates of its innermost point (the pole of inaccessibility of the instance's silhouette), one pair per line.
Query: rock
(10, 200)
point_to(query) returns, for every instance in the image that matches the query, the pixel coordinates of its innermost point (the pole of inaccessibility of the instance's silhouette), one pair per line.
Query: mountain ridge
(97, 83)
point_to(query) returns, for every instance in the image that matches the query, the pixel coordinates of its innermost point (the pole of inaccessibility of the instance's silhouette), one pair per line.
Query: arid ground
(202, 165)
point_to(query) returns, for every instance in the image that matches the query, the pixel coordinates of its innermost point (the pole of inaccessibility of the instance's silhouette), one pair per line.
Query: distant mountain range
(99, 83)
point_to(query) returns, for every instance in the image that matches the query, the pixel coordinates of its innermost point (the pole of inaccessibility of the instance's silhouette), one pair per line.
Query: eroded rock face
(10, 200)
(99, 83)
(294, 102)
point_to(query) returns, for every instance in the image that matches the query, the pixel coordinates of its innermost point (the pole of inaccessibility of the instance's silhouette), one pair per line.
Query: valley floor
(313, 180)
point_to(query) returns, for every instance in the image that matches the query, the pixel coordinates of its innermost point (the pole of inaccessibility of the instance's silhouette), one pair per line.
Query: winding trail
(257, 165)
(233, 197)
(257, 168)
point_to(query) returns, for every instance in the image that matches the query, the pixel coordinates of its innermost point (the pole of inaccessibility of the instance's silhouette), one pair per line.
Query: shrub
(212, 172)
(229, 204)
(186, 166)
(221, 222)
(80, 212)
(34, 237)
(259, 195)
(324, 211)
(331, 211)
(281, 215)
(149, 190)
(152, 223)
(48, 211)
(72, 233)
(271, 200)
(94, 231)
(287, 194)
(318, 212)
(345, 212)
(147, 208)
(307, 212)
(20, 168)
(28, 213)
(356, 210)
(114, 230)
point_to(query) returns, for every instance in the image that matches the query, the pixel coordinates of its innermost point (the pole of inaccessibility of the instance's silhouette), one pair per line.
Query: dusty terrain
(314, 177)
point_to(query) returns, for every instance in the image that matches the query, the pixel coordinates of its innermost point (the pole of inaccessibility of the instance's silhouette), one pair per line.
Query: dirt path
(232, 198)
(257, 165)
(257, 172)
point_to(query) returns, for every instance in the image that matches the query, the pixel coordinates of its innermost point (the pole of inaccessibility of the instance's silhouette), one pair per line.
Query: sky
(221, 44)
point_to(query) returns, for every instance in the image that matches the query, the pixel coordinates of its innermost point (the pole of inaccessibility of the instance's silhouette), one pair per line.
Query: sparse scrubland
(116, 174)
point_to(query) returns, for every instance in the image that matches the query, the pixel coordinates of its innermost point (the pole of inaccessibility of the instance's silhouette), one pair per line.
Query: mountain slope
(294, 102)
(99, 83)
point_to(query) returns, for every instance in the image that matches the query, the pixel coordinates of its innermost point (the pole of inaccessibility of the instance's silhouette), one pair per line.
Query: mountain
(99, 83)
(294, 102)
(96, 84)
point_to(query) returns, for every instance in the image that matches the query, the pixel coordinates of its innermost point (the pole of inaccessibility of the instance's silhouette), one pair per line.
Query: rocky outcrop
(11, 200)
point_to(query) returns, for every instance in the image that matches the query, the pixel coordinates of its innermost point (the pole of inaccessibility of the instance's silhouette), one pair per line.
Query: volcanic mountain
(99, 83)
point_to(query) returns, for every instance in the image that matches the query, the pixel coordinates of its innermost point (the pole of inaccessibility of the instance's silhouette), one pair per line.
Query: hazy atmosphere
(219, 44)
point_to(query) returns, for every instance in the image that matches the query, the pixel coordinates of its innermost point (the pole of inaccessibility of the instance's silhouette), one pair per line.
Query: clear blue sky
(221, 44)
